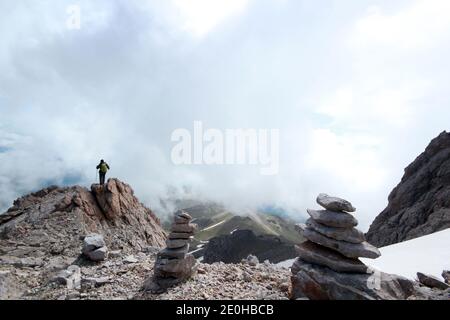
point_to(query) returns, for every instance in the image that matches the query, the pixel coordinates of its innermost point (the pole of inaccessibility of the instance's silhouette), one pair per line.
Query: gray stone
(115, 254)
(99, 254)
(252, 260)
(351, 250)
(313, 253)
(333, 219)
(176, 243)
(96, 282)
(70, 277)
(431, 281)
(352, 235)
(184, 228)
(179, 253)
(446, 276)
(334, 203)
(176, 268)
(92, 242)
(183, 214)
(130, 259)
(322, 283)
(180, 235)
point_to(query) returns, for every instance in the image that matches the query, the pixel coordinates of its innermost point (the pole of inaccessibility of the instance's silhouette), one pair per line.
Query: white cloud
(421, 25)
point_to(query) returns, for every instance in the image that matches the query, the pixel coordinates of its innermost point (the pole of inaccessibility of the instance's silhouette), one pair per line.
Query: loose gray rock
(333, 219)
(93, 242)
(70, 277)
(130, 259)
(352, 235)
(252, 260)
(99, 254)
(334, 203)
(348, 249)
(313, 253)
(431, 281)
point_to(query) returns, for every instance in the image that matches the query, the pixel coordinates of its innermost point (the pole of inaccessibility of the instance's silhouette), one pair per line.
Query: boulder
(93, 242)
(333, 219)
(431, 281)
(316, 254)
(321, 283)
(351, 250)
(334, 203)
(99, 254)
(352, 235)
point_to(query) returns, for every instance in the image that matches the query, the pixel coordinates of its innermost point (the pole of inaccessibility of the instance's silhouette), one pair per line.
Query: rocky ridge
(420, 203)
(42, 233)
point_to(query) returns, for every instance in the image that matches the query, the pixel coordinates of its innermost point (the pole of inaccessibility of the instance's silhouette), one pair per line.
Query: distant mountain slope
(420, 204)
(234, 247)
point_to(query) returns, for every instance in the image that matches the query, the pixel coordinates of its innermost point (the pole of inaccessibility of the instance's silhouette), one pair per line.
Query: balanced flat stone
(352, 235)
(334, 203)
(333, 219)
(183, 214)
(176, 243)
(180, 220)
(179, 253)
(316, 254)
(350, 250)
(180, 235)
(184, 228)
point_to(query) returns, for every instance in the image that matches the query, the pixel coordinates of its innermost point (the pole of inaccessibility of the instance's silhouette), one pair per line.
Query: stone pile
(333, 242)
(173, 264)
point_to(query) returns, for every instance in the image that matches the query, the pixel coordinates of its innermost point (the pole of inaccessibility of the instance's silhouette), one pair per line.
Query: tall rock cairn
(173, 264)
(332, 242)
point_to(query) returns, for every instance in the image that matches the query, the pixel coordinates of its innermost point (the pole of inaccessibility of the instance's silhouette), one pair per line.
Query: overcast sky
(357, 89)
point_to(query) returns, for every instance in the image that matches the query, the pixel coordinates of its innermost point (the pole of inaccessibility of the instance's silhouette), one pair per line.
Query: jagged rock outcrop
(240, 244)
(45, 230)
(173, 264)
(420, 204)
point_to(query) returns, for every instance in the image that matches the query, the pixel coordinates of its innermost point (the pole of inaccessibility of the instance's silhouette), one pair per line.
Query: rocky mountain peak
(54, 219)
(420, 204)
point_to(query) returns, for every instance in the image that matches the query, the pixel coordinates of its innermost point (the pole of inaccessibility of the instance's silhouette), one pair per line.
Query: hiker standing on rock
(102, 167)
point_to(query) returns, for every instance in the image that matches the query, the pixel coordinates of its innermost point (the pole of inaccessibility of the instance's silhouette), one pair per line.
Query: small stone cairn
(333, 240)
(173, 264)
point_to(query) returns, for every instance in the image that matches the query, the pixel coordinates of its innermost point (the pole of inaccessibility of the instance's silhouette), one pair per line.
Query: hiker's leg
(102, 178)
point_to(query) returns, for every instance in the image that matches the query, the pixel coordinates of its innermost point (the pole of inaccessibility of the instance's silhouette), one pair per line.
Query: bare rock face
(420, 204)
(44, 230)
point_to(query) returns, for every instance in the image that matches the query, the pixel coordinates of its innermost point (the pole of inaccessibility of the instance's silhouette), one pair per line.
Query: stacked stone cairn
(174, 264)
(332, 239)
